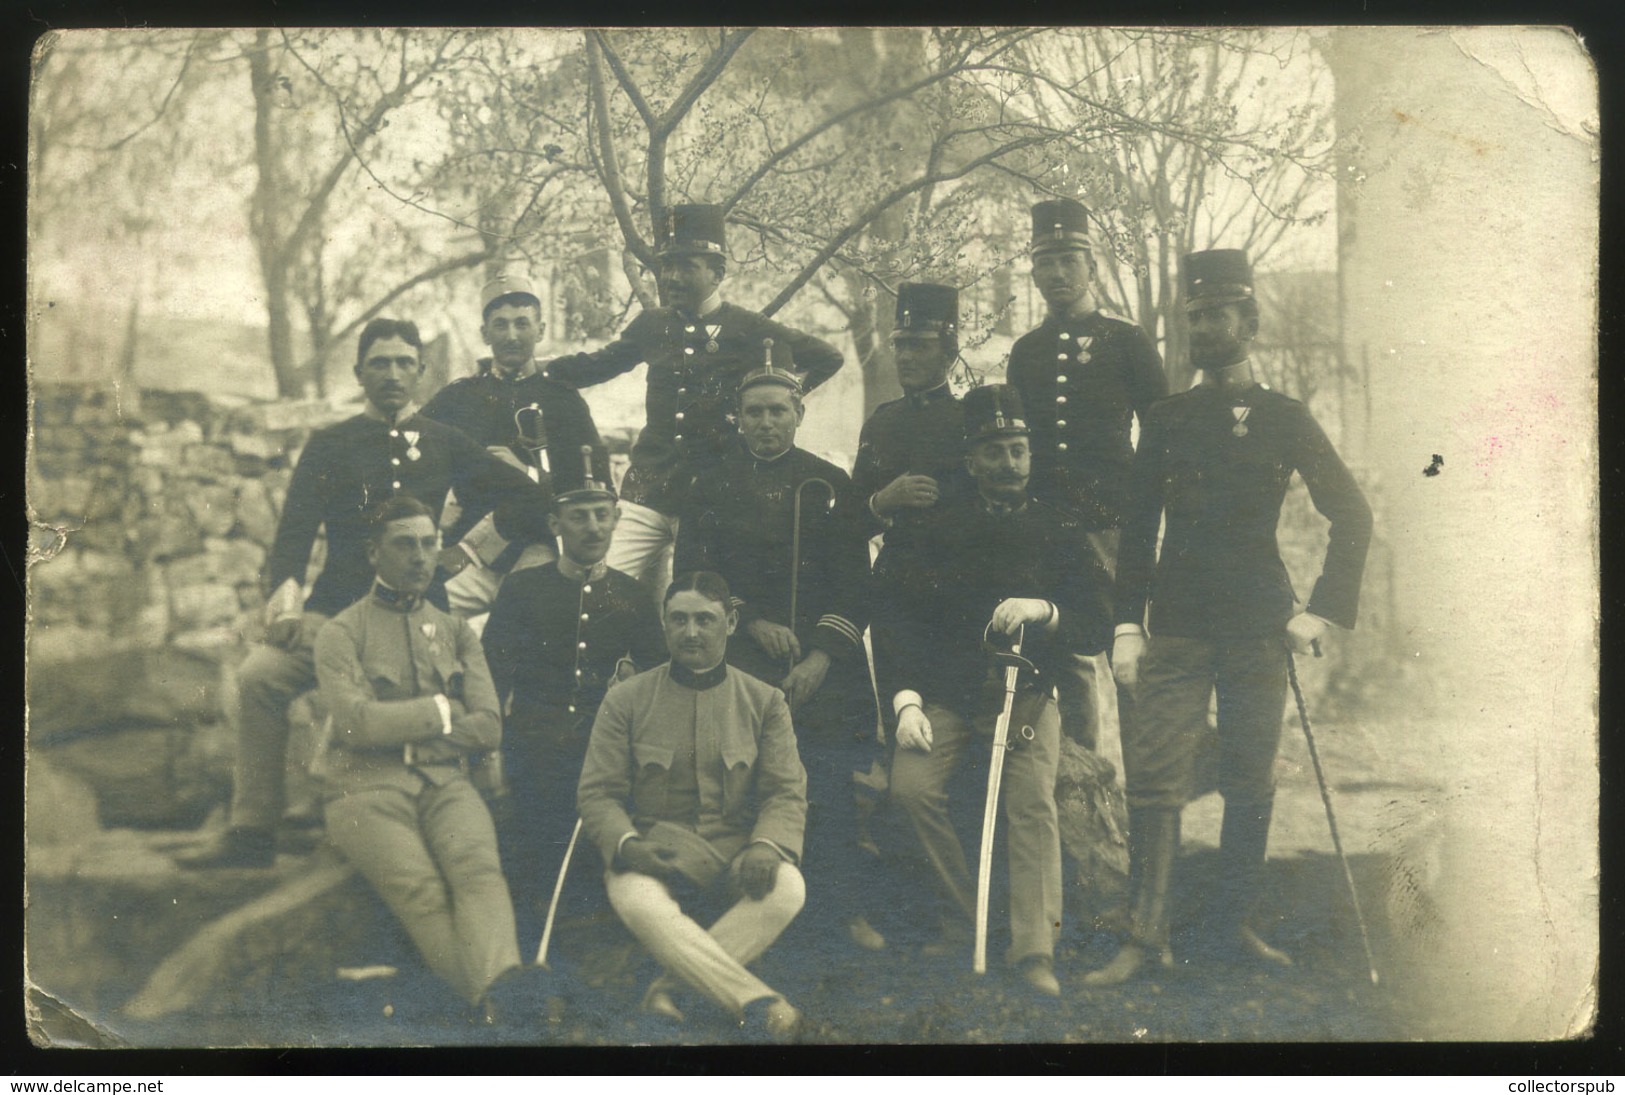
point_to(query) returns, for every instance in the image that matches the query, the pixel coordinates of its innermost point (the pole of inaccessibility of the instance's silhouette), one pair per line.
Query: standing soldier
(780, 525)
(698, 348)
(559, 636)
(523, 417)
(1216, 462)
(911, 451)
(998, 564)
(1083, 375)
(388, 449)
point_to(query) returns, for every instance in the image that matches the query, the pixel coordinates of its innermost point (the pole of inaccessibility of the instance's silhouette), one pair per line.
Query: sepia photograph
(712, 536)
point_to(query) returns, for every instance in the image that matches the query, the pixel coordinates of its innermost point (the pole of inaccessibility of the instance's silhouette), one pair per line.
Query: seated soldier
(768, 505)
(559, 636)
(386, 451)
(997, 562)
(693, 788)
(410, 698)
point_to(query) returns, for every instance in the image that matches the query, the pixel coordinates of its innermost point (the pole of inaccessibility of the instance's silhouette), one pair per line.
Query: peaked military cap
(1060, 225)
(993, 410)
(1215, 278)
(778, 367)
(691, 229)
(507, 285)
(590, 490)
(926, 308)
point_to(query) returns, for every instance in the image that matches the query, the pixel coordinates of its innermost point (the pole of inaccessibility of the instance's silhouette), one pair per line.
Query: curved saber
(558, 888)
(1013, 664)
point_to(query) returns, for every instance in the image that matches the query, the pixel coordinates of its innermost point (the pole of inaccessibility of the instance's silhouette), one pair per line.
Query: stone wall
(151, 516)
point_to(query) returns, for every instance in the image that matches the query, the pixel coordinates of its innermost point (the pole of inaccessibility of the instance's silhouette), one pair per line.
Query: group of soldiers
(718, 732)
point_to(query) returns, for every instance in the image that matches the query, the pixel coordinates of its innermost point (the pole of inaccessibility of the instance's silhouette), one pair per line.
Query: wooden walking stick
(553, 906)
(1013, 664)
(1331, 818)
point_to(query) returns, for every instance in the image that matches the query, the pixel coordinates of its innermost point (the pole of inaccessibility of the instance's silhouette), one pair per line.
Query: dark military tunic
(739, 523)
(695, 366)
(974, 559)
(920, 434)
(553, 644)
(1216, 462)
(1220, 572)
(353, 465)
(1081, 381)
(483, 406)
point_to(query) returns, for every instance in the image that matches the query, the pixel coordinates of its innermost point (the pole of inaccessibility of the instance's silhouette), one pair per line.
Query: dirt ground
(898, 996)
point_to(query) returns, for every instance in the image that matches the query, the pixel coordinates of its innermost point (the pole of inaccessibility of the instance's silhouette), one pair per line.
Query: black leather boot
(1158, 845)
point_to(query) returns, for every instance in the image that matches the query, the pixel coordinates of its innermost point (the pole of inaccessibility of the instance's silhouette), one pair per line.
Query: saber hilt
(531, 432)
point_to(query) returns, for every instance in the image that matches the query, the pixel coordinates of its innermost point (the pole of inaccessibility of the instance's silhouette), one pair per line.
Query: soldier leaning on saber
(780, 525)
(1216, 461)
(698, 348)
(1083, 376)
(388, 449)
(997, 561)
(559, 636)
(523, 417)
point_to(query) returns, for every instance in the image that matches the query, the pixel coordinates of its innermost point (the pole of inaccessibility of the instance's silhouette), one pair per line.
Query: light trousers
(710, 961)
(432, 857)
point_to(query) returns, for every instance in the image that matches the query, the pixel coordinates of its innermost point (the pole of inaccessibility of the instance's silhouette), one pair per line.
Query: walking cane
(1013, 664)
(1331, 818)
(795, 545)
(553, 906)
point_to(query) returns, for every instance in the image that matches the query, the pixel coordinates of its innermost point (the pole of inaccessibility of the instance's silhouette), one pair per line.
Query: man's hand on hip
(758, 868)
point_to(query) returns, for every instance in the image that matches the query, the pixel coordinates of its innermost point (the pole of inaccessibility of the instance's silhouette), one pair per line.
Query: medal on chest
(1241, 413)
(412, 450)
(712, 330)
(428, 631)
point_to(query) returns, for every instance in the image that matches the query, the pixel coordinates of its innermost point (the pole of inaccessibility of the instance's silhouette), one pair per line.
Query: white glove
(1127, 650)
(1019, 611)
(1303, 631)
(913, 729)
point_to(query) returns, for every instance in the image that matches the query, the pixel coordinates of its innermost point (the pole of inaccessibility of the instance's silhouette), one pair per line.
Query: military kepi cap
(925, 308)
(693, 230)
(1060, 225)
(777, 367)
(993, 410)
(1214, 278)
(591, 488)
(503, 286)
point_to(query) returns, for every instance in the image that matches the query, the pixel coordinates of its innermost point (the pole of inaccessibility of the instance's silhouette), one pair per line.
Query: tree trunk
(265, 221)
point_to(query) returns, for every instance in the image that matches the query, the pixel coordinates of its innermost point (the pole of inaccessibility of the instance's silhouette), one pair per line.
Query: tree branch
(864, 219)
(609, 165)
